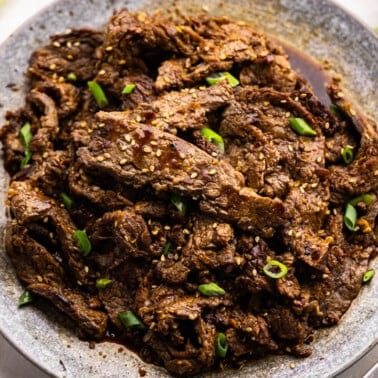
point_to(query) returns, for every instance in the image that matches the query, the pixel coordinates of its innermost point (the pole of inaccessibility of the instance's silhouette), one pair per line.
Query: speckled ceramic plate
(322, 30)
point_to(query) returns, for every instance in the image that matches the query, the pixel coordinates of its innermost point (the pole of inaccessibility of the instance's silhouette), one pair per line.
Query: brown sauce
(310, 70)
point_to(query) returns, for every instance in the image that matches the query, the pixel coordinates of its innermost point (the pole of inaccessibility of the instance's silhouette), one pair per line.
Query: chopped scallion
(26, 137)
(129, 88)
(67, 201)
(179, 202)
(166, 248)
(365, 198)
(130, 320)
(211, 289)
(275, 269)
(98, 94)
(71, 77)
(347, 154)
(221, 345)
(350, 217)
(335, 110)
(219, 76)
(301, 127)
(82, 242)
(369, 274)
(25, 298)
(102, 283)
(213, 137)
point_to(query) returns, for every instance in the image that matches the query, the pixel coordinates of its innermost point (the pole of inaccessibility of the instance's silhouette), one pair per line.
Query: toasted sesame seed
(352, 112)
(298, 235)
(292, 365)
(39, 278)
(147, 149)
(162, 258)
(223, 57)
(45, 155)
(56, 44)
(107, 155)
(167, 227)
(52, 67)
(290, 232)
(69, 44)
(283, 101)
(214, 154)
(155, 231)
(102, 72)
(144, 170)
(152, 168)
(261, 156)
(69, 57)
(254, 272)
(296, 99)
(123, 148)
(257, 239)
(122, 162)
(158, 153)
(238, 260)
(100, 158)
(194, 96)
(192, 316)
(340, 94)
(215, 225)
(303, 95)
(185, 231)
(45, 219)
(194, 175)
(212, 172)
(287, 114)
(326, 126)
(290, 148)
(127, 138)
(109, 48)
(182, 155)
(249, 329)
(314, 185)
(153, 143)
(138, 118)
(77, 43)
(86, 269)
(319, 159)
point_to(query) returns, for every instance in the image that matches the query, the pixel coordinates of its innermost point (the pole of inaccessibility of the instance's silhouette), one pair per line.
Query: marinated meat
(180, 206)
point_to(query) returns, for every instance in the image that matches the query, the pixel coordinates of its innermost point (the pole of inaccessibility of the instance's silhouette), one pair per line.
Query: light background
(12, 14)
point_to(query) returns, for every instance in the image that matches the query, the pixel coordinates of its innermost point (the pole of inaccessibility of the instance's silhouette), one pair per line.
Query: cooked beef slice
(271, 195)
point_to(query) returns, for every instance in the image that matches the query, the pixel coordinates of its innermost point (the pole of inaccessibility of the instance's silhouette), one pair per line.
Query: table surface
(12, 14)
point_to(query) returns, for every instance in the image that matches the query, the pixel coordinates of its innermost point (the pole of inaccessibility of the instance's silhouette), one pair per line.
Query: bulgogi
(182, 183)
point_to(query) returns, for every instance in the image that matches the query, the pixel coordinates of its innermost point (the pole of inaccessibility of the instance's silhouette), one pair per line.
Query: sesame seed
(290, 148)
(254, 272)
(340, 94)
(352, 112)
(122, 62)
(147, 149)
(153, 143)
(86, 269)
(100, 158)
(376, 172)
(102, 72)
(158, 153)
(314, 185)
(287, 114)
(77, 43)
(45, 219)
(69, 57)
(223, 57)
(107, 155)
(303, 95)
(162, 258)
(39, 278)
(261, 156)
(212, 172)
(152, 168)
(167, 227)
(123, 148)
(122, 162)
(56, 44)
(214, 154)
(298, 235)
(69, 44)
(109, 48)
(257, 239)
(182, 155)
(144, 170)
(290, 232)
(138, 118)
(52, 67)
(326, 126)
(296, 99)
(283, 101)
(215, 225)
(45, 155)
(194, 96)
(319, 159)
(292, 365)
(194, 175)
(155, 231)
(127, 138)
(185, 231)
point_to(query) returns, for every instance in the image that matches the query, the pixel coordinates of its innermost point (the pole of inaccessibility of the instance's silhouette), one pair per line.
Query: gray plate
(321, 29)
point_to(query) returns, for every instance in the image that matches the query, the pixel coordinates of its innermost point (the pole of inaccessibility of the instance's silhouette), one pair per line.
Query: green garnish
(369, 274)
(25, 298)
(221, 345)
(26, 137)
(350, 217)
(335, 111)
(130, 320)
(213, 137)
(166, 248)
(71, 77)
(82, 242)
(98, 94)
(67, 201)
(301, 127)
(129, 88)
(102, 283)
(275, 269)
(219, 76)
(211, 290)
(366, 198)
(179, 202)
(347, 154)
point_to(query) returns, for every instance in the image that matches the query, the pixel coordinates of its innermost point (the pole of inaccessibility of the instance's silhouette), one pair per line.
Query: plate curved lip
(32, 357)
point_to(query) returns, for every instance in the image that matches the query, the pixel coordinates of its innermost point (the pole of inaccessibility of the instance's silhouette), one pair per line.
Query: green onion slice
(221, 345)
(25, 298)
(211, 290)
(219, 76)
(366, 198)
(301, 127)
(213, 137)
(67, 201)
(71, 77)
(166, 248)
(347, 154)
(26, 135)
(369, 274)
(130, 320)
(98, 94)
(82, 242)
(129, 88)
(350, 217)
(25, 160)
(335, 111)
(179, 202)
(102, 283)
(275, 269)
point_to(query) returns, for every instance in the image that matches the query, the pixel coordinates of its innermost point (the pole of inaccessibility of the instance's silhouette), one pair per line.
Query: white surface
(12, 14)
